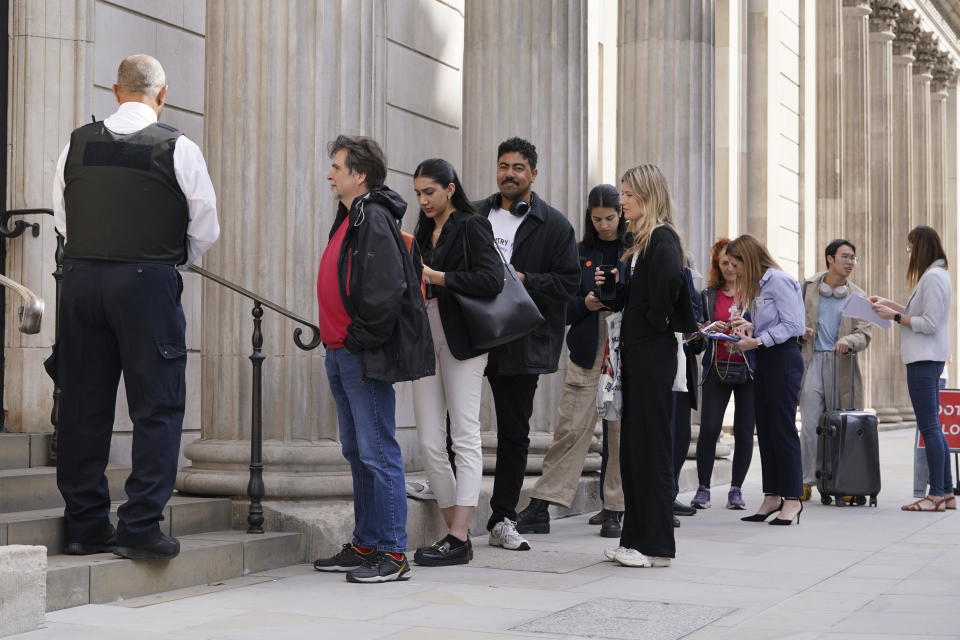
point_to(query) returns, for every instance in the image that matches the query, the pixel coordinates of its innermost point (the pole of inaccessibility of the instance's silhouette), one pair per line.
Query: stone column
(856, 113)
(875, 274)
(49, 95)
(953, 216)
(904, 50)
(526, 75)
(943, 71)
(666, 105)
(926, 57)
(283, 78)
(830, 121)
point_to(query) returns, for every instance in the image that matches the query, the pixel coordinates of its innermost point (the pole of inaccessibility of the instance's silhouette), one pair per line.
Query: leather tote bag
(511, 314)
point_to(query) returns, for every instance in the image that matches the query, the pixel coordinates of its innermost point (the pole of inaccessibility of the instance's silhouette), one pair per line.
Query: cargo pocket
(170, 351)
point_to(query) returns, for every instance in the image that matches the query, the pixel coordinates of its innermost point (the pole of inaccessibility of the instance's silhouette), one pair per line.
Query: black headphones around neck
(520, 208)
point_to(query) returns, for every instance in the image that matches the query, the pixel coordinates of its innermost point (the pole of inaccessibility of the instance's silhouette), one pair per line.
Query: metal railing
(255, 486)
(31, 313)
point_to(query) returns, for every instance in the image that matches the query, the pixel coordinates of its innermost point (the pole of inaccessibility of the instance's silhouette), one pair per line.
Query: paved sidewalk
(846, 572)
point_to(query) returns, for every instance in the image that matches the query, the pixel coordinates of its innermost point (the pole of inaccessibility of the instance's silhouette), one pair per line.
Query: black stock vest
(123, 201)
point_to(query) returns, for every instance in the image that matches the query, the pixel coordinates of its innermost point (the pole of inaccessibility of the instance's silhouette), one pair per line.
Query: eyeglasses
(848, 257)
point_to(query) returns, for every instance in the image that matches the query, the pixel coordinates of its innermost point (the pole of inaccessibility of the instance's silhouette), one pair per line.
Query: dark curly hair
(521, 146)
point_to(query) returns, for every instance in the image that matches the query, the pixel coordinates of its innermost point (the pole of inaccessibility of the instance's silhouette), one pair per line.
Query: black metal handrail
(255, 486)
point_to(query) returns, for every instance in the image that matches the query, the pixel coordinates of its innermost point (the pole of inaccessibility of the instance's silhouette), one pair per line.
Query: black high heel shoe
(782, 521)
(760, 517)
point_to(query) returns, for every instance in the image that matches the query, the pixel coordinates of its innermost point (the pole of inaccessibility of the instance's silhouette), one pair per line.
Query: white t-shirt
(505, 226)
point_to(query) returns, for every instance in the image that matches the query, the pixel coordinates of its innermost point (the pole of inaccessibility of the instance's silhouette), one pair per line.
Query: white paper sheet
(856, 306)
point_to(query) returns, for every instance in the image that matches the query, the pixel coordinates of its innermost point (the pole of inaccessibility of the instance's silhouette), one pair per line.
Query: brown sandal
(938, 504)
(950, 502)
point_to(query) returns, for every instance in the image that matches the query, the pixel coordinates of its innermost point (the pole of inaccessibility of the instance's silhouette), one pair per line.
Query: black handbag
(732, 373)
(495, 321)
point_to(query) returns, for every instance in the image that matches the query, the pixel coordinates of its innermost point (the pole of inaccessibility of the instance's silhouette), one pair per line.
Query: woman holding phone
(773, 298)
(656, 307)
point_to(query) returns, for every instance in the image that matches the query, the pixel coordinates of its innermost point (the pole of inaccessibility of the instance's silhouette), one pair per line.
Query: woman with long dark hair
(656, 307)
(602, 244)
(924, 347)
(458, 256)
(773, 298)
(726, 372)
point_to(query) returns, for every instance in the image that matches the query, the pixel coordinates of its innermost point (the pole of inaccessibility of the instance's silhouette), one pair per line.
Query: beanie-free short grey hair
(140, 74)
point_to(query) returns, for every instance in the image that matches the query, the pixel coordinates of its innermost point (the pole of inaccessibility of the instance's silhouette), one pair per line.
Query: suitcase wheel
(824, 499)
(873, 500)
(859, 500)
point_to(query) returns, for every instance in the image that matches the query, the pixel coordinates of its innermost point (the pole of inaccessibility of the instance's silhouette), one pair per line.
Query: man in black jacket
(374, 326)
(540, 243)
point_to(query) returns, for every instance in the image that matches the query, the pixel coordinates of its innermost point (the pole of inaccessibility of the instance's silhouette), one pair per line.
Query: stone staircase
(31, 513)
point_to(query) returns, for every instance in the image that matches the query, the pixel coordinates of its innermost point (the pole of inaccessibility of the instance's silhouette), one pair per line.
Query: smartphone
(608, 290)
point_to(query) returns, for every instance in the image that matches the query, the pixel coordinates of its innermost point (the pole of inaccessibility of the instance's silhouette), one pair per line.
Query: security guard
(134, 200)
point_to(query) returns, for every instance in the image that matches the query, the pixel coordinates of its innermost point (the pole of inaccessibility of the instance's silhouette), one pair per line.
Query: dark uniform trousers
(119, 317)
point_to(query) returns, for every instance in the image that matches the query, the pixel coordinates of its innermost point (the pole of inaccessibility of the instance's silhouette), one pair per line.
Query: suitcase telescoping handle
(836, 380)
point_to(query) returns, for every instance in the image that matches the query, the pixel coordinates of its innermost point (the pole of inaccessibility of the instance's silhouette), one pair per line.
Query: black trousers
(513, 401)
(776, 392)
(646, 451)
(119, 317)
(680, 428)
(715, 397)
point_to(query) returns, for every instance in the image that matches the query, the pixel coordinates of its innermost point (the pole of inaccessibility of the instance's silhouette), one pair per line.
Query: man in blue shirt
(828, 335)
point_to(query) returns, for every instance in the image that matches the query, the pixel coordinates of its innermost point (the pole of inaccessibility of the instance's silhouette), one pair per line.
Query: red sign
(949, 418)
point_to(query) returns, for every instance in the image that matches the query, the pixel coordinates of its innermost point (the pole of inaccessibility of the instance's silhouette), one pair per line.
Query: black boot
(611, 524)
(680, 509)
(534, 519)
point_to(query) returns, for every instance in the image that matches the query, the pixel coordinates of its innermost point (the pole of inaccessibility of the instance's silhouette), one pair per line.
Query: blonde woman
(655, 306)
(773, 299)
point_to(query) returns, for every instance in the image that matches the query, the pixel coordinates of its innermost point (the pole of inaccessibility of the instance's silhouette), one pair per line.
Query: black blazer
(584, 324)
(656, 299)
(479, 273)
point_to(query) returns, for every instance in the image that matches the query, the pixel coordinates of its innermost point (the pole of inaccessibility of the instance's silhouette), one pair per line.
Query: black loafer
(442, 554)
(680, 509)
(162, 548)
(106, 545)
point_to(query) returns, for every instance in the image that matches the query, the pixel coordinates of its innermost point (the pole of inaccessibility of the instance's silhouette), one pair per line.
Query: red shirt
(721, 312)
(334, 319)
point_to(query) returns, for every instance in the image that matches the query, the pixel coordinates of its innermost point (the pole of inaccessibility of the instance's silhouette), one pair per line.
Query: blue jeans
(368, 436)
(923, 383)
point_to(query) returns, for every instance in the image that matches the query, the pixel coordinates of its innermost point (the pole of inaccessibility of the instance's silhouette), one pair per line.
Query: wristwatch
(897, 317)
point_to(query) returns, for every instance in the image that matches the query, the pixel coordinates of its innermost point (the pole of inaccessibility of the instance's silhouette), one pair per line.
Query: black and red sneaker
(347, 559)
(382, 567)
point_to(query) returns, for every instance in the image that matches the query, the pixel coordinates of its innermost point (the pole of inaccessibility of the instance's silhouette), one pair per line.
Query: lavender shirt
(778, 312)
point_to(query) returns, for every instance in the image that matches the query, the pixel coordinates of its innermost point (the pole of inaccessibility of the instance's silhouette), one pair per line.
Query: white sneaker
(633, 558)
(504, 534)
(611, 553)
(420, 490)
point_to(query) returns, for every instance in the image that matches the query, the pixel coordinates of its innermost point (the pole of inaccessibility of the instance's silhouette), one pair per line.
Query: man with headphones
(828, 336)
(540, 243)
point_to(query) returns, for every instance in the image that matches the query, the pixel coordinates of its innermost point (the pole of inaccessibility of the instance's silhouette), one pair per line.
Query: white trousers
(455, 389)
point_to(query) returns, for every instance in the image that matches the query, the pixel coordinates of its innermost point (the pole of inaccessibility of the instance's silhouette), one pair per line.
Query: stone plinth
(23, 588)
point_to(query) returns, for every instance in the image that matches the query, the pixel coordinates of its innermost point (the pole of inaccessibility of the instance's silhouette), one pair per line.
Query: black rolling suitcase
(848, 453)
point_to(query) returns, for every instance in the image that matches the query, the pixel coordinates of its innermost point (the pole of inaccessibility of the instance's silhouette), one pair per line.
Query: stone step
(36, 488)
(24, 450)
(204, 558)
(182, 516)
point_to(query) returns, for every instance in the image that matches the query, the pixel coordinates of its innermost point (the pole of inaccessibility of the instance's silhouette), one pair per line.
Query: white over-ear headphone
(834, 292)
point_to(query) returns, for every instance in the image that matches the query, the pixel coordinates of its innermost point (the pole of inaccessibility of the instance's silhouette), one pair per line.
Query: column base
(888, 415)
(907, 414)
(296, 469)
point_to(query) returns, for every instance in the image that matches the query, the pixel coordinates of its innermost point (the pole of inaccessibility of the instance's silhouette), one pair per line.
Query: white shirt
(505, 226)
(189, 167)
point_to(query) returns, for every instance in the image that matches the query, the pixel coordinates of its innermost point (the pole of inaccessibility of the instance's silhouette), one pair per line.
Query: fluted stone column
(875, 273)
(830, 121)
(284, 78)
(952, 236)
(42, 113)
(856, 113)
(526, 75)
(943, 71)
(926, 57)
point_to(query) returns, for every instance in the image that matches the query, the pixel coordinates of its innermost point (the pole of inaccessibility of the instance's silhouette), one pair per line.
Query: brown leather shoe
(597, 519)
